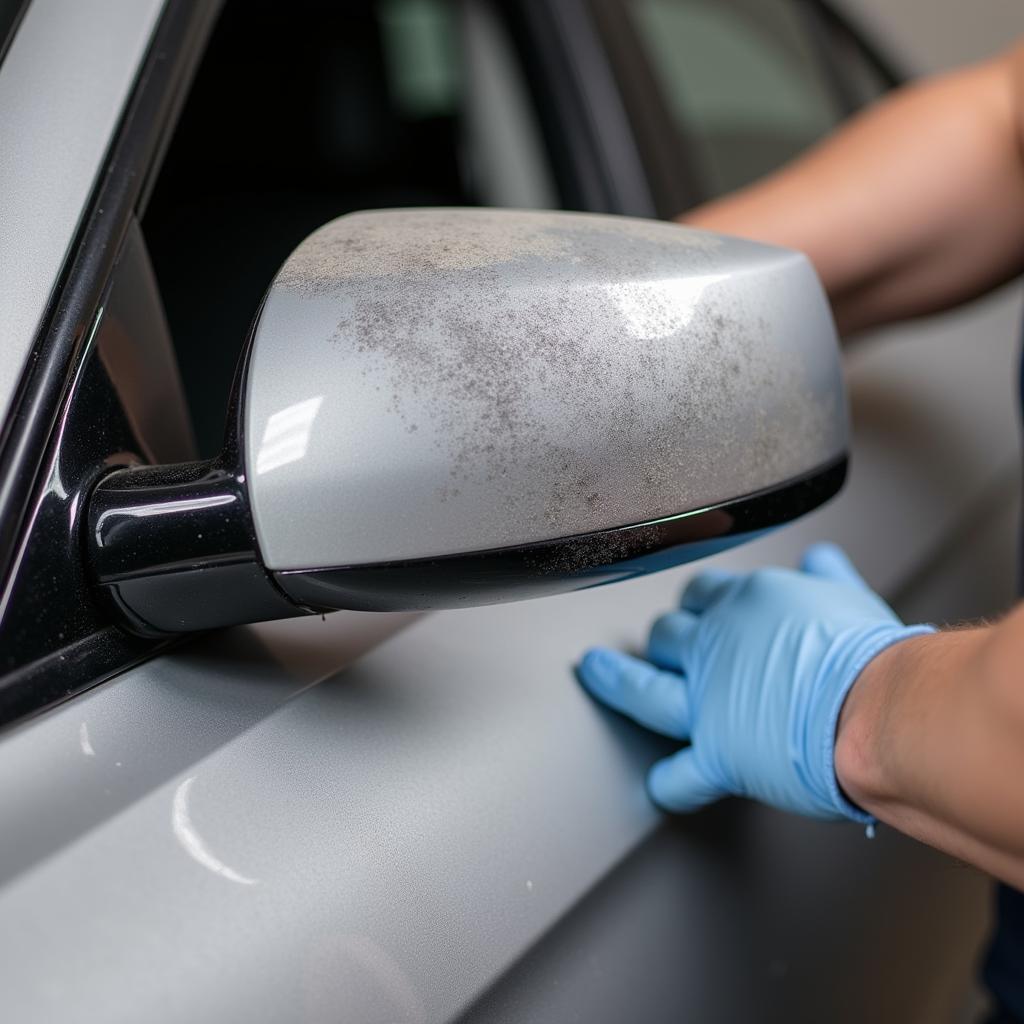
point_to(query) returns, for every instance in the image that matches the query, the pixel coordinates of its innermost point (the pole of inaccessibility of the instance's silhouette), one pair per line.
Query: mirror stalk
(175, 549)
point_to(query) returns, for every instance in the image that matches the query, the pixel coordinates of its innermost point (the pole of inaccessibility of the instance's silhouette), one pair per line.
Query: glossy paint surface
(429, 382)
(63, 84)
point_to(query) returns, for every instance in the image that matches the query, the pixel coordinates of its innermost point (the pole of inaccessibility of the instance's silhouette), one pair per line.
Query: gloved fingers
(830, 562)
(706, 588)
(670, 640)
(649, 696)
(677, 783)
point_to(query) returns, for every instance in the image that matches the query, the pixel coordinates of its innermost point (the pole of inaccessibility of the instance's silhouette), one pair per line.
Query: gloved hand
(753, 670)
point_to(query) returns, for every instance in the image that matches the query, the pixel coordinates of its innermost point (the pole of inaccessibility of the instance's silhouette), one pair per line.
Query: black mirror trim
(175, 550)
(565, 564)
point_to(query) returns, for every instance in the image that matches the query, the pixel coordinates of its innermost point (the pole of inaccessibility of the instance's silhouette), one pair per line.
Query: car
(419, 817)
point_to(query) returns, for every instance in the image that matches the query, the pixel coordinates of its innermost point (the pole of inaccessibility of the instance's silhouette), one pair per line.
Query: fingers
(654, 698)
(670, 640)
(703, 590)
(677, 783)
(830, 562)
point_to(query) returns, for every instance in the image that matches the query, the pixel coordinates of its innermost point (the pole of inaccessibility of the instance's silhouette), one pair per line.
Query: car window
(742, 80)
(421, 55)
(506, 156)
(287, 128)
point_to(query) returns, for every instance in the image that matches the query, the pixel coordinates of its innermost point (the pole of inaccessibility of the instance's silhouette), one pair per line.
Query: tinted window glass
(422, 58)
(293, 121)
(742, 81)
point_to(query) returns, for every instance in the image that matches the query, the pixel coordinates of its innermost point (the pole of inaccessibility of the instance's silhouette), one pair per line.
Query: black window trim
(830, 20)
(656, 131)
(593, 150)
(61, 346)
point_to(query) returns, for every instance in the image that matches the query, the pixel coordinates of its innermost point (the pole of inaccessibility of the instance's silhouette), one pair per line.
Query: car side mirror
(440, 408)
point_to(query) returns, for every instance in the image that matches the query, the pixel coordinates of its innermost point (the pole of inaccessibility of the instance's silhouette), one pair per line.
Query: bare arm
(931, 741)
(914, 206)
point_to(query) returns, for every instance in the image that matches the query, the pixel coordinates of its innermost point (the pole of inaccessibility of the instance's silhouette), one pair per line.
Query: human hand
(753, 670)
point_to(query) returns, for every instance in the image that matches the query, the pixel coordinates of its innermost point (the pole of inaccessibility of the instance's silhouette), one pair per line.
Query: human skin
(915, 206)
(931, 741)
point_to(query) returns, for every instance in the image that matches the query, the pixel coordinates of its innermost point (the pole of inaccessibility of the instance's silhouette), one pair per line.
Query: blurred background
(932, 35)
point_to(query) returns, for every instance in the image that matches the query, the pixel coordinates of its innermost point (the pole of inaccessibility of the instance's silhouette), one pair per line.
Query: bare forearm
(931, 741)
(914, 206)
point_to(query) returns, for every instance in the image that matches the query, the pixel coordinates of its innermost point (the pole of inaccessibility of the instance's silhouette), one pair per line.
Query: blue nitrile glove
(753, 670)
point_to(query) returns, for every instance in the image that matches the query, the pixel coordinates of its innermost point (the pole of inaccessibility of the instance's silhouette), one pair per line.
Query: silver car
(415, 815)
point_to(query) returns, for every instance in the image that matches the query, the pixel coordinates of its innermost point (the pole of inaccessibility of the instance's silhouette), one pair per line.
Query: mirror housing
(439, 408)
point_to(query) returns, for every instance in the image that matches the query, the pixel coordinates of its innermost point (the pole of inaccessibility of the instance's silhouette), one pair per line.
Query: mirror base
(174, 550)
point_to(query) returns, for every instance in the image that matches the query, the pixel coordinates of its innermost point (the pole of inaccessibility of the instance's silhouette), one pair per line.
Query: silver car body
(57, 117)
(391, 818)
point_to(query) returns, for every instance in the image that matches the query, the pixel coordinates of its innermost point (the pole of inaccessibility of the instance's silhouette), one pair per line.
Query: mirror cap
(426, 384)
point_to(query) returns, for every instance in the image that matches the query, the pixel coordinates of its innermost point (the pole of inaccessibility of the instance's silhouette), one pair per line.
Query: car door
(399, 818)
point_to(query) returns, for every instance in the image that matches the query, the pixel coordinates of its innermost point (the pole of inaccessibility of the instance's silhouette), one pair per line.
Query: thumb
(830, 562)
(678, 783)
